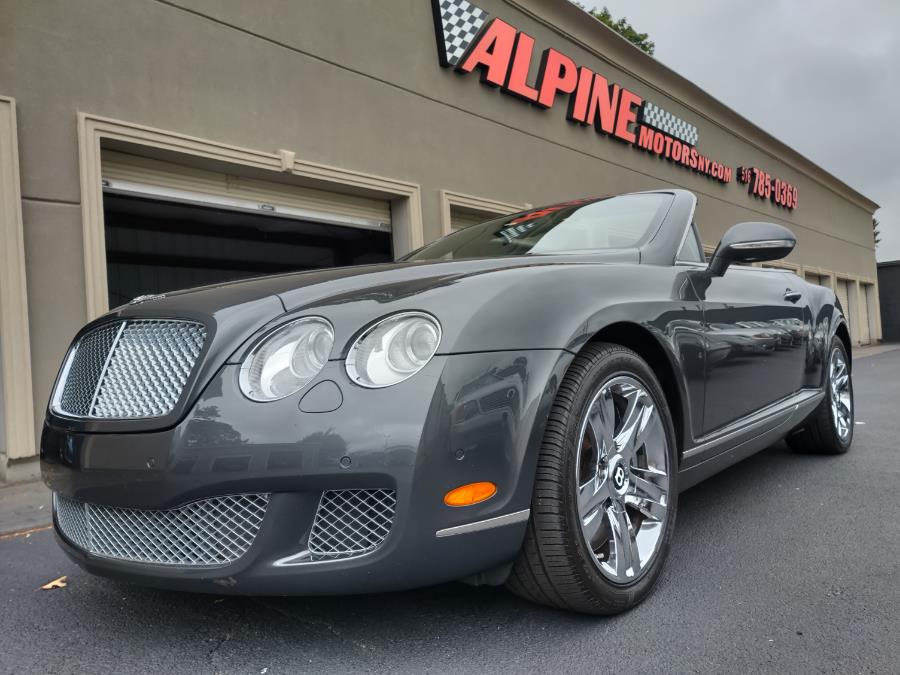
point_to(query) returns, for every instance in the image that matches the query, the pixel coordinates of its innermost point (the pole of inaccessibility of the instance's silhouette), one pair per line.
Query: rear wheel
(605, 497)
(829, 429)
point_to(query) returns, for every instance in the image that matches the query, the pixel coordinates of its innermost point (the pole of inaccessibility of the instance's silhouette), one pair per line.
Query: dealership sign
(469, 40)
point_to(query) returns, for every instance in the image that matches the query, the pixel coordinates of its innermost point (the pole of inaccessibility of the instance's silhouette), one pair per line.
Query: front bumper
(464, 418)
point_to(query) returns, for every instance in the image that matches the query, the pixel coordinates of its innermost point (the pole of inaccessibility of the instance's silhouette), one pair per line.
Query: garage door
(843, 293)
(865, 333)
(461, 217)
(170, 227)
(873, 311)
(818, 279)
(131, 174)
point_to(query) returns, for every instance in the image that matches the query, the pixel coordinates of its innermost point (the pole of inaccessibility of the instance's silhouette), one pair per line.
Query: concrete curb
(874, 350)
(24, 507)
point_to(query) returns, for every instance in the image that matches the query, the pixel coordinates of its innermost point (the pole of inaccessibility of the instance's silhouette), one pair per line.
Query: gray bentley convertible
(520, 402)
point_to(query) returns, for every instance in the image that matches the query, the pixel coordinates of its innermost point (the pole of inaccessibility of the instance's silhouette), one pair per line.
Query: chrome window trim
(691, 230)
(690, 223)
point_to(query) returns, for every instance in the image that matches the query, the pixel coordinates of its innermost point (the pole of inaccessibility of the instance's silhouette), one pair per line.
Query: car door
(750, 360)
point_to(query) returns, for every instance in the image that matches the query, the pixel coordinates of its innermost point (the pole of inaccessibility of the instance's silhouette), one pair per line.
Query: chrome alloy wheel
(623, 478)
(841, 401)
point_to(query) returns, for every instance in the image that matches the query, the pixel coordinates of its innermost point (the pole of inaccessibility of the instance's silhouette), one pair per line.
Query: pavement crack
(24, 533)
(211, 654)
(321, 624)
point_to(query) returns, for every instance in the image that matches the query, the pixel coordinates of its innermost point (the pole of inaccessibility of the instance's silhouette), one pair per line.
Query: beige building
(146, 146)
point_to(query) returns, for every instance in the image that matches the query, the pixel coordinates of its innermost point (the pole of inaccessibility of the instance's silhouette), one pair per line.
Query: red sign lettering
(603, 105)
(503, 56)
(627, 115)
(516, 81)
(492, 53)
(761, 184)
(558, 73)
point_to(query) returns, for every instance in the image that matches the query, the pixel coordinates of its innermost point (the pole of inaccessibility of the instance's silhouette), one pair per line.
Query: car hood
(482, 305)
(395, 280)
(303, 289)
(480, 302)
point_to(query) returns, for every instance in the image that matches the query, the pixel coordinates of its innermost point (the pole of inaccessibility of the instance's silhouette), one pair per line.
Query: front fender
(829, 318)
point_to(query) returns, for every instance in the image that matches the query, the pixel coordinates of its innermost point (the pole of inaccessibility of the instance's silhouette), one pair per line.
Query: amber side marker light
(473, 493)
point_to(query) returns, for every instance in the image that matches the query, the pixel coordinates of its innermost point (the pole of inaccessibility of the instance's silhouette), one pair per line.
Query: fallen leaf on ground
(56, 583)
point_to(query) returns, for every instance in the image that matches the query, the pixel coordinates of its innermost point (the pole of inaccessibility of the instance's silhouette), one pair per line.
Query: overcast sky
(824, 77)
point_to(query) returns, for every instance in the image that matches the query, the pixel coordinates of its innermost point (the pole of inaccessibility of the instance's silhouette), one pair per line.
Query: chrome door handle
(792, 296)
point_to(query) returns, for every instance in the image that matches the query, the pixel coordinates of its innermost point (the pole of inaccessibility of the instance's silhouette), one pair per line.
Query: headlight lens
(287, 359)
(394, 349)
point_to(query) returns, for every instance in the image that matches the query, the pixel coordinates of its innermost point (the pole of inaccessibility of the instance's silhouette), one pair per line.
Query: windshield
(571, 227)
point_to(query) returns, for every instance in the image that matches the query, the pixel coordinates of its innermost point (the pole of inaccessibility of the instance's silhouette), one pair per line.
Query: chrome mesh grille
(350, 523)
(214, 531)
(130, 369)
(86, 366)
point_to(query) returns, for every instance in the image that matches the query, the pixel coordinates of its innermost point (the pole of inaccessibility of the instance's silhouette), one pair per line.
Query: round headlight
(394, 349)
(287, 359)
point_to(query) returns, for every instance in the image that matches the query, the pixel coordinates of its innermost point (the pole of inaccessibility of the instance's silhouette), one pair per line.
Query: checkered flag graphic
(654, 116)
(457, 22)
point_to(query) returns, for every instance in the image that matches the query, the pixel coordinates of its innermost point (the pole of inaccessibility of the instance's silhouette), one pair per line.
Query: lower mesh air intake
(214, 531)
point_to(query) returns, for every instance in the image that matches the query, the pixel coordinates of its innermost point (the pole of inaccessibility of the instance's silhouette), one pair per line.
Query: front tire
(829, 429)
(605, 492)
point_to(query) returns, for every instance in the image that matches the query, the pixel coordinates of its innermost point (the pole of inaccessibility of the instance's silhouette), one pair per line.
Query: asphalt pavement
(784, 563)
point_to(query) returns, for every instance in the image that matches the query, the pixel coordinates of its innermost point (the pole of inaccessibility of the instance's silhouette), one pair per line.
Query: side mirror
(749, 243)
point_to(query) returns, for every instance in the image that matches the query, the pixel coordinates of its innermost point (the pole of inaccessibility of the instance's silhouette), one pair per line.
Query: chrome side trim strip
(764, 243)
(479, 525)
(757, 419)
(305, 557)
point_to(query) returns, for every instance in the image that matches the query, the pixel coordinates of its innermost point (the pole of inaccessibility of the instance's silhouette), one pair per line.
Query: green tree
(623, 28)
(875, 233)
